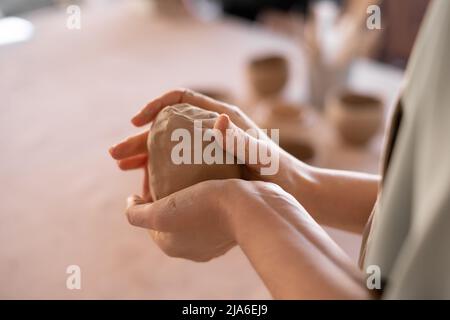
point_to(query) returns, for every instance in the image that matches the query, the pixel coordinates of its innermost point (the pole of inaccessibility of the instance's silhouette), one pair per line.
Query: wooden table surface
(66, 96)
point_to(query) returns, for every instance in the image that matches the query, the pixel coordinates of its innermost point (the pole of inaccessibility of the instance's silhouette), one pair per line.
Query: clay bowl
(268, 75)
(277, 111)
(357, 117)
(293, 121)
(287, 111)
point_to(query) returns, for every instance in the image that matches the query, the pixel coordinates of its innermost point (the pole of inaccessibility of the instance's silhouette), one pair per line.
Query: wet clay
(165, 176)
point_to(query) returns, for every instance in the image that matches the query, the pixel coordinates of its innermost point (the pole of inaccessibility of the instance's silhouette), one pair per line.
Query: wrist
(228, 206)
(246, 209)
(294, 176)
(238, 200)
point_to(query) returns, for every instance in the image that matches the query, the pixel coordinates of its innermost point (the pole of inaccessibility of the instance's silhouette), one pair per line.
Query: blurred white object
(13, 29)
(204, 10)
(326, 14)
(334, 40)
(323, 35)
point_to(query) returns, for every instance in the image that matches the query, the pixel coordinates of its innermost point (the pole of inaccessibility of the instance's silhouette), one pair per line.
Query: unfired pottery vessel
(294, 123)
(357, 117)
(167, 177)
(268, 75)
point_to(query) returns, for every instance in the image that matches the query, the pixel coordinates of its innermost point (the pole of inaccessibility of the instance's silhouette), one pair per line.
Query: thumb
(161, 215)
(134, 200)
(137, 212)
(237, 142)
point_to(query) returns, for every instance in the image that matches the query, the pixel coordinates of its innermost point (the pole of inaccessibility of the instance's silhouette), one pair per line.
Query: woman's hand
(205, 220)
(293, 255)
(335, 198)
(132, 152)
(191, 223)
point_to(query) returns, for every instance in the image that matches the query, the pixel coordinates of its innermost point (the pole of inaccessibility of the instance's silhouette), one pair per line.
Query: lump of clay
(167, 177)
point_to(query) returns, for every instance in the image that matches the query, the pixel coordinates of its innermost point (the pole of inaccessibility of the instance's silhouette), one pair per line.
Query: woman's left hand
(191, 223)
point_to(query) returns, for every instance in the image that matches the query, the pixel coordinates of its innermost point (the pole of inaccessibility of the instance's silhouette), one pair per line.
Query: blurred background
(312, 69)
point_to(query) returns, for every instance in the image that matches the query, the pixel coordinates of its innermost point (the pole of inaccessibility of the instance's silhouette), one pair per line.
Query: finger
(134, 162)
(239, 143)
(131, 146)
(149, 112)
(138, 212)
(149, 215)
(146, 194)
(164, 215)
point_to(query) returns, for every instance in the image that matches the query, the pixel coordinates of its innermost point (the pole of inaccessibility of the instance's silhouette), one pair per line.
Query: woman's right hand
(334, 198)
(132, 152)
(129, 152)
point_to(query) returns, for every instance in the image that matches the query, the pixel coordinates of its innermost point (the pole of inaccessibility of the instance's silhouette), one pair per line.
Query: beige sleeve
(422, 266)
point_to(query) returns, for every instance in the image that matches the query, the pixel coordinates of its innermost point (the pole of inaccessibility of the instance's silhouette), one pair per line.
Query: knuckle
(264, 185)
(237, 185)
(186, 92)
(179, 90)
(273, 190)
(234, 111)
(209, 185)
(258, 186)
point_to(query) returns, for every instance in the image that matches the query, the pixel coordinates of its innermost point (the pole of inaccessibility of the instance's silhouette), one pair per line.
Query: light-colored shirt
(409, 238)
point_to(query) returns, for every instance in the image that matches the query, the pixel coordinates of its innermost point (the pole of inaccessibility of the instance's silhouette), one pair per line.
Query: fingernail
(131, 201)
(111, 150)
(134, 199)
(134, 120)
(223, 123)
(228, 122)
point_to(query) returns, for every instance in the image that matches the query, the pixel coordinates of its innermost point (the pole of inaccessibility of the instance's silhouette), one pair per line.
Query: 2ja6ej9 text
(249, 309)
(231, 310)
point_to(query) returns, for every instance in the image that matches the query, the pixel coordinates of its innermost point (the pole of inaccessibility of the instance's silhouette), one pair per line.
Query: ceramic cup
(357, 117)
(268, 75)
(293, 122)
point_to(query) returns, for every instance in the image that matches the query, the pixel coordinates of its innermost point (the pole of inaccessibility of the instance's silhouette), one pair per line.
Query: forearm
(294, 256)
(336, 198)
